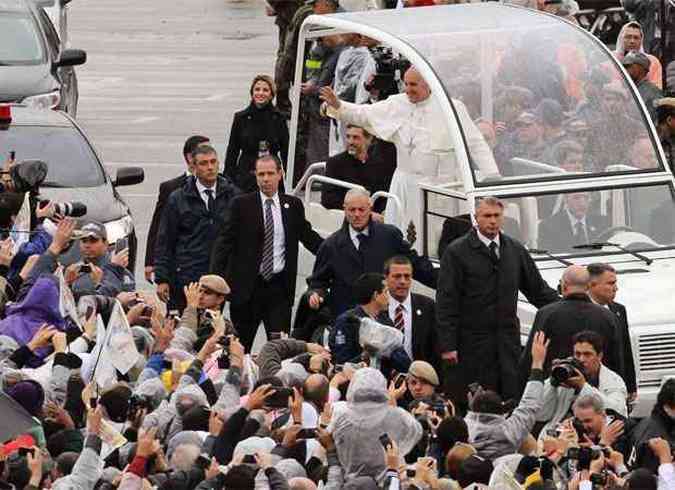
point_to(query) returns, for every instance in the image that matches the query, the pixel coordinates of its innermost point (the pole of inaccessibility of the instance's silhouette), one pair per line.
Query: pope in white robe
(414, 122)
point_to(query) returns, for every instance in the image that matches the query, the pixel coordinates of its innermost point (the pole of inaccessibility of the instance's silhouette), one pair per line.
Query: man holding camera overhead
(582, 374)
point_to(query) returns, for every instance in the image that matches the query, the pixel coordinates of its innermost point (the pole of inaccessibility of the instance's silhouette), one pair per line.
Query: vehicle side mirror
(72, 57)
(129, 176)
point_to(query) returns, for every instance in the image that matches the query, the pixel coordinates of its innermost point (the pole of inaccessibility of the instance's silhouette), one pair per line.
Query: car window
(52, 37)
(71, 161)
(20, 42)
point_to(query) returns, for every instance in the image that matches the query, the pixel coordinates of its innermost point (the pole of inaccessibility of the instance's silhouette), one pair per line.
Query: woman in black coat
(258, 130)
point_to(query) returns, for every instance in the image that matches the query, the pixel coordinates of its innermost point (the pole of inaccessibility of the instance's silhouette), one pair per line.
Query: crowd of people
(369, 385)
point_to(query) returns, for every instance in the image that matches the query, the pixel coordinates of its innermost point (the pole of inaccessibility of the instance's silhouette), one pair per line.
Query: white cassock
(424, 150)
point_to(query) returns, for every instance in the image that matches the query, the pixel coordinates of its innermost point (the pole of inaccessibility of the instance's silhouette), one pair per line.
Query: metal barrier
(317, 168)
(327, 180)
(391, 198)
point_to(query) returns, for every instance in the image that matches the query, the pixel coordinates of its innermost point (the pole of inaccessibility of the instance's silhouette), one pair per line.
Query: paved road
(159, 71)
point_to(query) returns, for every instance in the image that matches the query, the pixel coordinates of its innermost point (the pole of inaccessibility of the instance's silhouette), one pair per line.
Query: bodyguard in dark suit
(360, 246)
(165, 190)
(476, 299)
(575, 313)
(257, 253)
(602, 290)
(413, 314)
(189, 226)
(572, 225)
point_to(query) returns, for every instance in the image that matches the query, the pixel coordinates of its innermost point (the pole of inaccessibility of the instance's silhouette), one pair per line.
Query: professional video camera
(389, 72)
(564, 370)
(27, 176)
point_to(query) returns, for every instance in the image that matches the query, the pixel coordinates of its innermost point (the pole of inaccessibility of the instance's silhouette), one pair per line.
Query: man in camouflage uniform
(290, 14)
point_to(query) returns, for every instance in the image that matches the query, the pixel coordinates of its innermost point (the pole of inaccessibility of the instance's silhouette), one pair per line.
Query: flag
(103, 369)
(67, 306)
(120, 342)
(21, 225)
(15, 419)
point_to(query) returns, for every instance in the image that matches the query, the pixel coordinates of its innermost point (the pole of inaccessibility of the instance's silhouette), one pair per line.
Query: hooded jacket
(41, 305)
(497, 435)
(655, 74)
(358, 425)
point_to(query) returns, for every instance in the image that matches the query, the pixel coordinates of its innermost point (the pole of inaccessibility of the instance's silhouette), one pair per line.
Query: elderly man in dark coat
(479, 332)
(361, 245)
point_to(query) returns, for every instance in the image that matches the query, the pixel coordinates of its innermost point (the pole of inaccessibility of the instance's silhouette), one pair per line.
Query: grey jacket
(496, 435)
(272, 353)
(87, 470)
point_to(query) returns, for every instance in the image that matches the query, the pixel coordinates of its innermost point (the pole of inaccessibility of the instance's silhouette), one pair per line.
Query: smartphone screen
(121, 244)
(385, 440)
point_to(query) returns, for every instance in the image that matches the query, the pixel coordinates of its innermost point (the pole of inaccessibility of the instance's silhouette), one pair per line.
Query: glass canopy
(548, 99)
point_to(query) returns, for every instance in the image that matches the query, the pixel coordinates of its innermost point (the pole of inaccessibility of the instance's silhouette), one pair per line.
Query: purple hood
(41, 305)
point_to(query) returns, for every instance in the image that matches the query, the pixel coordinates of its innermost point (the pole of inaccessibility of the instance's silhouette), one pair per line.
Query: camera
(279, 399)
(389, 71)
(73, 209)
(599, 479)
(564, 370)
(85, 268)
(139, 402)
(224, 358)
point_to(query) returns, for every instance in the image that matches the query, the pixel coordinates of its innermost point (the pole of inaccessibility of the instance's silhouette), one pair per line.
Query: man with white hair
(420, 131)
(576, 312)
(361, 245)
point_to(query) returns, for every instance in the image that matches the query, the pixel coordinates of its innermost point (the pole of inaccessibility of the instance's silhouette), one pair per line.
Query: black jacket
(562, 320)
(556, 234)
(476, 306)
(424, 331)
(338, 263)
(624, 331)
(165, 190)
(249, 128)
(658, 424)
(237, 254)
(375, 174)
(187, 232)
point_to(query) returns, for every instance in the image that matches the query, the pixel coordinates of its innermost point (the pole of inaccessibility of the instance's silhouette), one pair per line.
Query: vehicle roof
(443, 19)
(14, 6)
(25, 116)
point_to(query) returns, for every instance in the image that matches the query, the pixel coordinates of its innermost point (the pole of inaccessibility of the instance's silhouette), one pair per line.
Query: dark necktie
(267, 268)
(362, 237)
(209, 199)
(399, 322)
(493, 251)
(580, 233)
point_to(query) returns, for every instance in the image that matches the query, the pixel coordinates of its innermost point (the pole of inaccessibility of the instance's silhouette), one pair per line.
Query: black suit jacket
(556, 234)
(165, 190)
(424, 338)
(629, 365)
(338, 262)
(562, 320)
(237, 253)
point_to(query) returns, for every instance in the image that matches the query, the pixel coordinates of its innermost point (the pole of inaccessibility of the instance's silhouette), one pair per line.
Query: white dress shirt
(574, 221)
(353, 235)
(407, 321)
(279, 235)
(201, 188)
(487, 240)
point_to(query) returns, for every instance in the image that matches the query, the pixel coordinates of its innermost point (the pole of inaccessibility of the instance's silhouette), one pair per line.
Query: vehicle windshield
(71, 161)
(587, 222)
(19, 40)
(549, 101)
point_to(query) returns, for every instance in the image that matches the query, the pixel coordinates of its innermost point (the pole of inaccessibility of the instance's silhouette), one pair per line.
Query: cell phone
(12, 155)
(385, 440)
(23, 451)
(307, 434)
(147, 311)
(121, 244)
(338, 368)
(552, 432)
(249, 459)
(93, 401)
(279, 399)
(399, 380)
(410, 471)
(85, 268)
